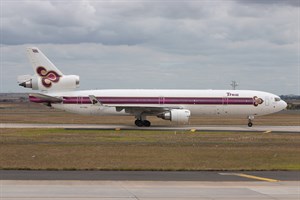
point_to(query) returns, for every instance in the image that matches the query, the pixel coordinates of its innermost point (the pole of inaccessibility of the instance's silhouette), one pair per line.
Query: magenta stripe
(159, 100)
(155, 100)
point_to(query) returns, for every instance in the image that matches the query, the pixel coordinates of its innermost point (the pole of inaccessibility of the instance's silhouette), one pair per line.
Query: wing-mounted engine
(176, 115)
(50, 82)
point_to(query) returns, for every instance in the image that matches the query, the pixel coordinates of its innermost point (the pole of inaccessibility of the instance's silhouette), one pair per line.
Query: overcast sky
(157, 44)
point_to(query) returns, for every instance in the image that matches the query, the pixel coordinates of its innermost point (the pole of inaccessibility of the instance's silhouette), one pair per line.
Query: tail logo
(48, 77)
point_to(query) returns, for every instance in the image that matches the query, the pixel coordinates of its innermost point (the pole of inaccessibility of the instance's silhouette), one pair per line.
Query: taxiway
(286, 129)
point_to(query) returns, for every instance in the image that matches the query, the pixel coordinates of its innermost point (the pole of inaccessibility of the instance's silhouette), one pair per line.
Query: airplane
(58, 90)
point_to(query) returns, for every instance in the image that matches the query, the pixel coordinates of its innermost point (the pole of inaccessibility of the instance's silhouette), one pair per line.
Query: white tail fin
(38, 59)
(47, 77)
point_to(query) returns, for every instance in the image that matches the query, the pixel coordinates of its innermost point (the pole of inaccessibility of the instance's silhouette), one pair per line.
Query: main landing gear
(141, 120)
(250, 118)
(141, 123)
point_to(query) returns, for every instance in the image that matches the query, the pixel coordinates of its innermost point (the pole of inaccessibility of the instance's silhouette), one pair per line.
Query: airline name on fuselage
(229, 94)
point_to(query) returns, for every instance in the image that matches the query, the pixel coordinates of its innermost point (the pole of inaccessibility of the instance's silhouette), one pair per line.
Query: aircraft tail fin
(39, 61)
(47, 76)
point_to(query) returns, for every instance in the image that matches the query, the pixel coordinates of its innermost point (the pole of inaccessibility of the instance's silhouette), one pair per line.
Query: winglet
(95, 101)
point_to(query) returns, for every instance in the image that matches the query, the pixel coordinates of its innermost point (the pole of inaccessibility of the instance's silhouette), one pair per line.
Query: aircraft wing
(143, 109)
(148, 110)
(134, 109)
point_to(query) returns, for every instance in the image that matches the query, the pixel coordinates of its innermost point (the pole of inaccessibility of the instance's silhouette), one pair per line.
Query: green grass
(59, 149)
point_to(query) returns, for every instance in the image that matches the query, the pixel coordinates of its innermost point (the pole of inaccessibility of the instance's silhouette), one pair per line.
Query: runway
(220, 176)
(285, 129)
(149, 185)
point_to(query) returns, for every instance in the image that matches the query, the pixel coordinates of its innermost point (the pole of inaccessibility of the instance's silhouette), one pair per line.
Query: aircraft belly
(225, 110)
(219, 110)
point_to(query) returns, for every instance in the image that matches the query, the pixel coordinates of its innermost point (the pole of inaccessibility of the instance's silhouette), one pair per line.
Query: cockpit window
(277, 99)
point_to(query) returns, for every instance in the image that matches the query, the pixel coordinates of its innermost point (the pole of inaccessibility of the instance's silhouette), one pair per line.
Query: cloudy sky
(157, 44)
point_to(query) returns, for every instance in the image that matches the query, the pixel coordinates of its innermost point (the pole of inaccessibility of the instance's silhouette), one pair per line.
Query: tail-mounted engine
(49, 82)
(176, 115)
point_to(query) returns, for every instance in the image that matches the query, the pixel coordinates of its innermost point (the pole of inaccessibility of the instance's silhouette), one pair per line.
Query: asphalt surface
(145, 190)
(149, 175)
(143, 185)
(283, 129)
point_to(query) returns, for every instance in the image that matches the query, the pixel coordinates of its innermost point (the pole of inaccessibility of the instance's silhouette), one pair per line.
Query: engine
(176, 115)
(65, 82)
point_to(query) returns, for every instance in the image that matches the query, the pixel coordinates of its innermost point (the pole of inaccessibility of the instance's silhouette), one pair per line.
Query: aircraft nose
(283, 104)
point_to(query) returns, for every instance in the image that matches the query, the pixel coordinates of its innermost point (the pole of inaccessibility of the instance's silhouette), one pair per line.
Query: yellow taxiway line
(257, 177)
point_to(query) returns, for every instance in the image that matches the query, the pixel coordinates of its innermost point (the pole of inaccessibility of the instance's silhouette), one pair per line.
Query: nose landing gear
(250, 118)
(250, 124)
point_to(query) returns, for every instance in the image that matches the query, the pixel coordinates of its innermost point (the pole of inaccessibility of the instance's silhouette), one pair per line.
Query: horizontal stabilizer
(24, 78)
(44, 98)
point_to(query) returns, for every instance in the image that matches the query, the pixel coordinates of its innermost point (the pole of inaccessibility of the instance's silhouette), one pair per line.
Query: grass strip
(59, 149)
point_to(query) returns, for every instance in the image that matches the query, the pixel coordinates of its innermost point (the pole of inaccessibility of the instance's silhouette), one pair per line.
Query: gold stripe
(257, 177)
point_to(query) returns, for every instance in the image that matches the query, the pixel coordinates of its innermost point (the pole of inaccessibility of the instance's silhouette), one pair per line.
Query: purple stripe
(158, 100)
(154, 100)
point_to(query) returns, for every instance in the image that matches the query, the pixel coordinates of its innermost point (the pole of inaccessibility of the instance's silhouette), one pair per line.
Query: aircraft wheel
(250, 118)
(146, 123)
(139, 123)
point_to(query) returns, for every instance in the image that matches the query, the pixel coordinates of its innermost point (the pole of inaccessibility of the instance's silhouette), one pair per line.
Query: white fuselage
(239, 103)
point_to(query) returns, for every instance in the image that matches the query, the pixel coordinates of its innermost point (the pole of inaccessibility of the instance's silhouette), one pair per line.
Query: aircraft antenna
(234, 84)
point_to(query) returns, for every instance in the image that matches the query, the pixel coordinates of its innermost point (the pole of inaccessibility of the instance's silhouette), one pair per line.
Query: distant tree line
(292, 106)
(13, 97)
(290, 97)
(293, 101)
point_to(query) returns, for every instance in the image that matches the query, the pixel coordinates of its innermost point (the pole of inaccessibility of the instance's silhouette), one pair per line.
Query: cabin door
(267, 101)
(161, 100)
(79, 100)
(225, 106)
